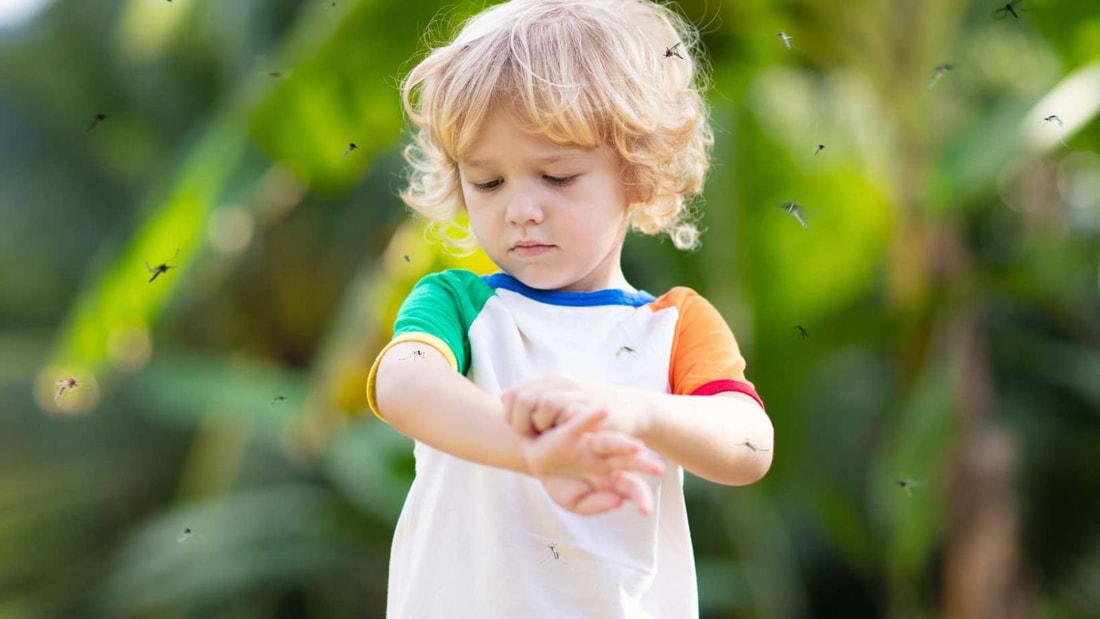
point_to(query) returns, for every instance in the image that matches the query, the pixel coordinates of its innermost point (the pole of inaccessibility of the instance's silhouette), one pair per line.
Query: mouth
(528, 249)
(530, 244)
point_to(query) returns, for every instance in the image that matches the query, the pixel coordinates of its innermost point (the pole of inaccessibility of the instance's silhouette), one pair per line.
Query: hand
(533, 406)
(588, 497)
(578, 449)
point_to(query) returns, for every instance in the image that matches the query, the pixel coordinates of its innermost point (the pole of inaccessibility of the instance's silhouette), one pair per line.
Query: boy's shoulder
(451, 277)
(462, 282)
(680, 297)
(459, 287)
(693, 310)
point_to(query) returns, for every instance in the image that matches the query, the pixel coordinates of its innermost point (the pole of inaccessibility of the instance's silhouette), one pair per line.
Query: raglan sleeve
(436, 313)
(705, 356)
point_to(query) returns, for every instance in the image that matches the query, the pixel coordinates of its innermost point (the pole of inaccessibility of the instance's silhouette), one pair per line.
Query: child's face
(553, 217)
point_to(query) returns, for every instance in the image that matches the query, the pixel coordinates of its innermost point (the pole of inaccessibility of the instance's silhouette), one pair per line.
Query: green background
(948, 284)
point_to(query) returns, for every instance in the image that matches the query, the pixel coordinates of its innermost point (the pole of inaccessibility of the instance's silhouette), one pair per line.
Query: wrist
(647, 420)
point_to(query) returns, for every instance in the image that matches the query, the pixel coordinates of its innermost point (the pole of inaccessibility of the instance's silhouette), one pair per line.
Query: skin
(706, 435)
(519, 188)
(584, 441)
(437, 406)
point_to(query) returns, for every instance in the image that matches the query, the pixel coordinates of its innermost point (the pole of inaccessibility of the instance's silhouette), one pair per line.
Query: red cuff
(722, 386)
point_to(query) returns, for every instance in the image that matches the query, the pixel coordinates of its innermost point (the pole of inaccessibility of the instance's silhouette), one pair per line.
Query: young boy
(545, 396)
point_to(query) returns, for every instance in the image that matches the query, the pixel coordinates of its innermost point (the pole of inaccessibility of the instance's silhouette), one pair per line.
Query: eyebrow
(573, 153)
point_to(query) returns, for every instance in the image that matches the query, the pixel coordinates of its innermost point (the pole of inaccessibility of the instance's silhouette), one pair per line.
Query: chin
(541, 281)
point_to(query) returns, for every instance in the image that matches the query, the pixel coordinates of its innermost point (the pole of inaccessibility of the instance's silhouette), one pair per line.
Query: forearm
(443, 409)
(726, 439)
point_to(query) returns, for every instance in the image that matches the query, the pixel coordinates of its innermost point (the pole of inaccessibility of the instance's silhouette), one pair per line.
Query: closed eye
(488, 186)
(560, 180)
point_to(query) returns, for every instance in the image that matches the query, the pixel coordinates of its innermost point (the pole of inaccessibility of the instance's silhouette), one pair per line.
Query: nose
(523, 208)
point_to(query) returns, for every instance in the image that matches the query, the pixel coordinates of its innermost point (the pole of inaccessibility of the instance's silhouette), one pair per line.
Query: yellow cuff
(423, 338)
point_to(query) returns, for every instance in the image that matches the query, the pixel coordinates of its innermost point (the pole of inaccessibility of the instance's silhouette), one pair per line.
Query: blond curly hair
(580, 72)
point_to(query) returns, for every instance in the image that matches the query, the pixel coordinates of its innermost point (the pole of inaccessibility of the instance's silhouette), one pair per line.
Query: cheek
(483, 222)
(474, 203)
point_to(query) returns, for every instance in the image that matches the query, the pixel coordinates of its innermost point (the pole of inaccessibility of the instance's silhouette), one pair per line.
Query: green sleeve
(444, 305)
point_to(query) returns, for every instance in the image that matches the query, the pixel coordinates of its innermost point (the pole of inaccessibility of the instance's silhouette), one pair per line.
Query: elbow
(745, 471)
(756, 453)
(750, 461)
(741, 452)
(754, 469)
(741, 471)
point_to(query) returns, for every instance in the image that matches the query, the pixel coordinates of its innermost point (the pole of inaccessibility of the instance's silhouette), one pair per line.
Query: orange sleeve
(705, 358)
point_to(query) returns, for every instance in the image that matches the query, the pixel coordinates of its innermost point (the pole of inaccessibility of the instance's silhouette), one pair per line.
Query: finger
(559, 407)
(523, 407)
(578, 426)
(518, 401)
(632, 486)
(623, 452)
(598, 502)
(508, 400)
(641, 463)
(541, 404)
(546, 414)
(566, 492)
(607, 443)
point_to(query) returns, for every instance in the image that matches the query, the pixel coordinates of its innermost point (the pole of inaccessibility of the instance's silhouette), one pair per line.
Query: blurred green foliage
(936, 426)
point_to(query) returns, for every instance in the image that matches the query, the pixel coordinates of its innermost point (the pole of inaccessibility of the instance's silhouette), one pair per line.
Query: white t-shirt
(476, 541)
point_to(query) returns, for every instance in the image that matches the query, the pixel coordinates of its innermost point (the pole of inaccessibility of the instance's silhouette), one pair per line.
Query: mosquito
(820, 147)
(625, 349)
(786, 38)
(754, 448)
(100, 117)
(64, 385)
(795, 211)
(1009, 9)
(940, 71)
(1053, 118)
(671, 51)
(907, 485)
(801, 331)
(161, 268)
(407, 258)
(275, 74)
(278, 398)
(184, 536)
(351, 147)
(415, 354)
(553, 553)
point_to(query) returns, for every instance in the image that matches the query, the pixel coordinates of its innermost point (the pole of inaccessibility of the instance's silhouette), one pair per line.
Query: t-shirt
(478, 541)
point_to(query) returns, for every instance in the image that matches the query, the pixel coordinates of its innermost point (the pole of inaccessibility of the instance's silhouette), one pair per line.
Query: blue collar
(610, 296)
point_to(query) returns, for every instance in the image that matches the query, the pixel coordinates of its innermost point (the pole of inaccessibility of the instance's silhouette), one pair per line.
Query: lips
(530, 244)
(530, 249)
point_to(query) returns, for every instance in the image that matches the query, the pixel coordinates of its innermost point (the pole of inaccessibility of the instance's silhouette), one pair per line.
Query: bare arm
(725, 438)
(421, 396)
